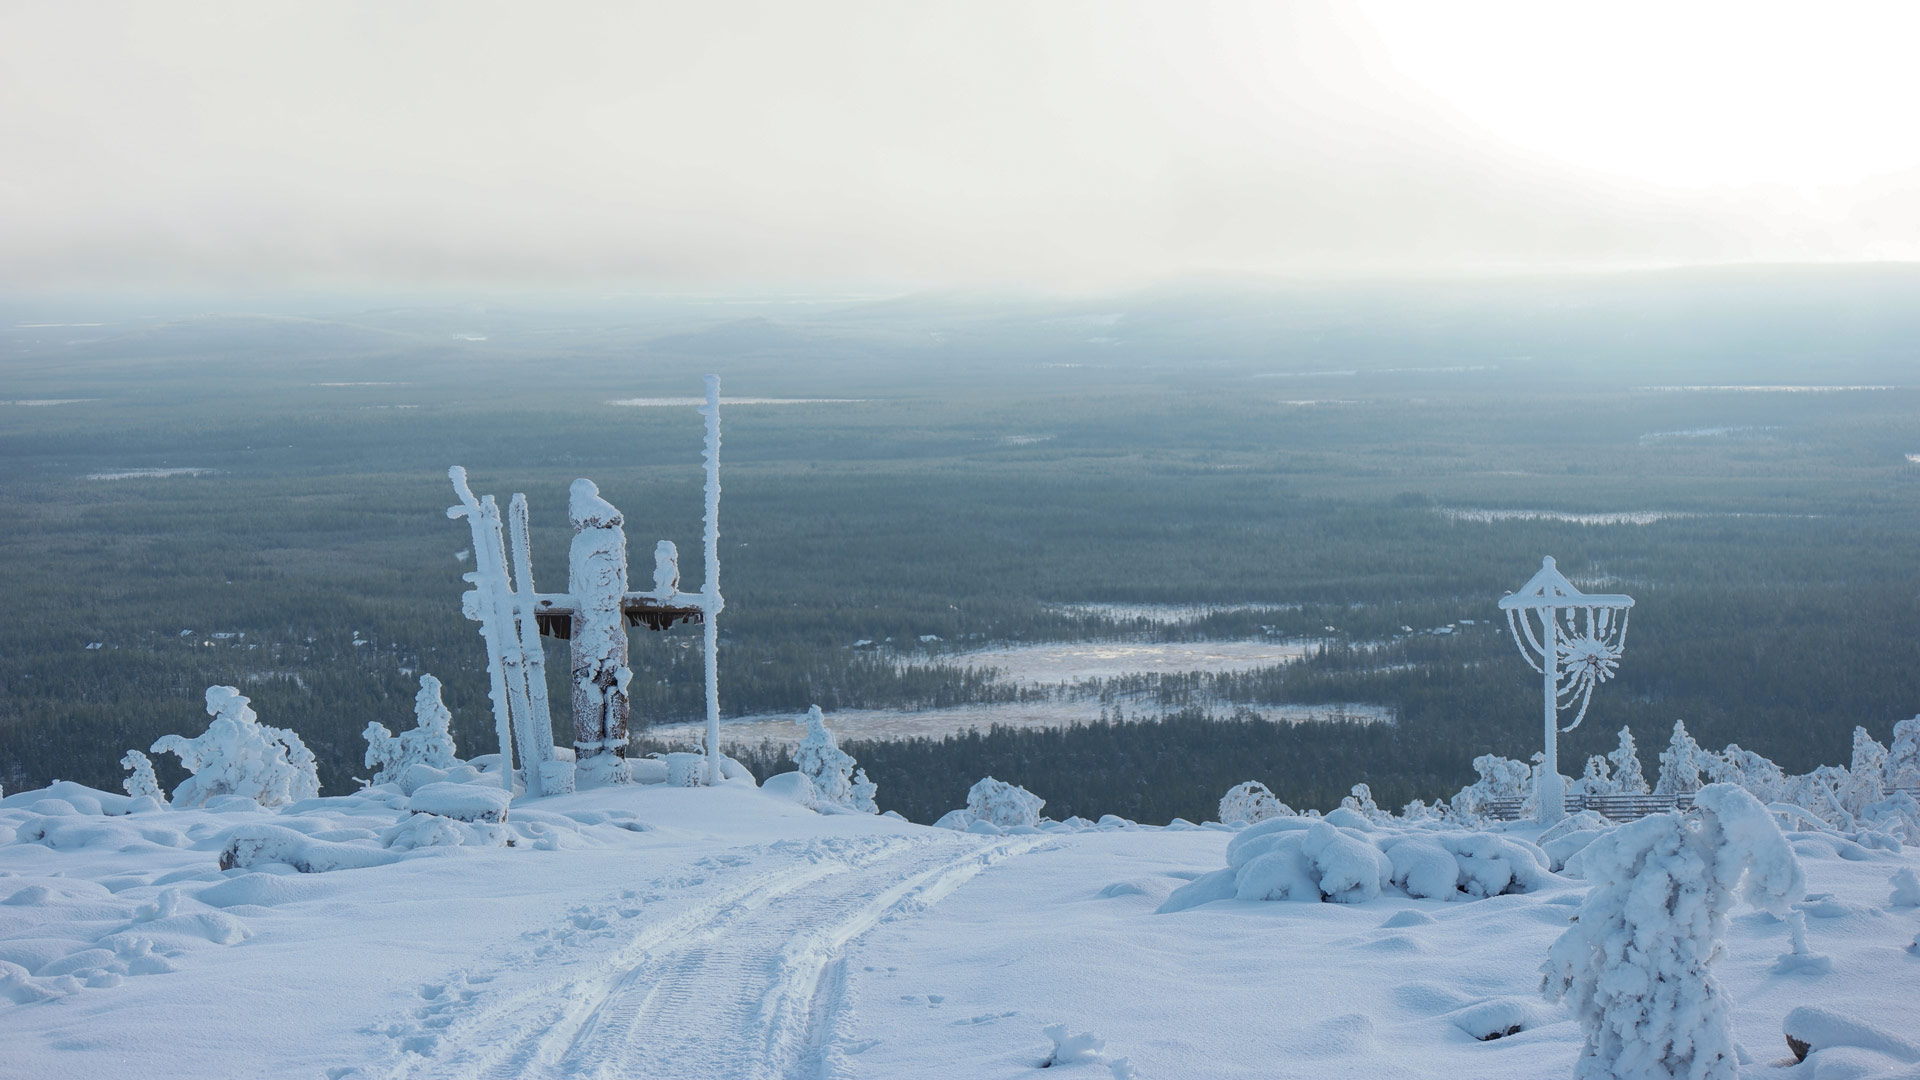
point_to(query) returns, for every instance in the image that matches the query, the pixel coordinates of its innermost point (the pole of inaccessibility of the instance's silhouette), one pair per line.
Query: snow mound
(461, 802)
(1000, 806)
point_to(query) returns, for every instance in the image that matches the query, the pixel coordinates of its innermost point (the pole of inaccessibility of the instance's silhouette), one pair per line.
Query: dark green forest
(1310, 447)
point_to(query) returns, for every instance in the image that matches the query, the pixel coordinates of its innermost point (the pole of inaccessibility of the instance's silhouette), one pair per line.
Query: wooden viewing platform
(554, 614)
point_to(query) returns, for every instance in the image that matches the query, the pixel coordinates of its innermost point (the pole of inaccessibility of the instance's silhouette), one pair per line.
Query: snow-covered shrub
(238, 755)
(140, 780)
(1903, 757)
(1450, 866)
(1636, 964)
(1906, 888)
(829, 768)
(1867, 777)
(1252, 803)
(863, 792)
(1596, 780)
(1418, 810)
(1500, 778)
(1681, 764)
(997, 802)
(430, 742)
(1760, 777)
(1624, 766)
(1360, 801)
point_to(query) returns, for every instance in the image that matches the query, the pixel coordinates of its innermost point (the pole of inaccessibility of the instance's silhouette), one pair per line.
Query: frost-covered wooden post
(710, 600)
(1578, 639)
(597, 580)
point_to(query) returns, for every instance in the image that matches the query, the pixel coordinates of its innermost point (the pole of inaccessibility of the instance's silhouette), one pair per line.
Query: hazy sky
(806, 143)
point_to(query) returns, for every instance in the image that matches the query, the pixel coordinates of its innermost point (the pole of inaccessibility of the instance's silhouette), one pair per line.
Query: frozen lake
(146, 474)
(1162, 614)
(1045, 665)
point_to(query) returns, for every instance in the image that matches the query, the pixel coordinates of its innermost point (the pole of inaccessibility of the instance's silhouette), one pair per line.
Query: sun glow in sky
(1691, 94)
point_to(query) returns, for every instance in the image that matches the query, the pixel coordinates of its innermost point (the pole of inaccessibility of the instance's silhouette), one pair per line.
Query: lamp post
(1578, 639)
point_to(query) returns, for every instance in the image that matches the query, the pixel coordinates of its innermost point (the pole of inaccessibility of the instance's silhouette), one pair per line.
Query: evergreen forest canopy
(1317, 448)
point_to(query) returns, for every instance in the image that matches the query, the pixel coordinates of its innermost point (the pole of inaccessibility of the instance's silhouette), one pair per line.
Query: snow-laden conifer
(863, 793)
(1624, 767)
(429, 743)
(831, 770)
(140, 779)
(1681, 764)
(1903, 757)
(1636, 966)
(238, 755)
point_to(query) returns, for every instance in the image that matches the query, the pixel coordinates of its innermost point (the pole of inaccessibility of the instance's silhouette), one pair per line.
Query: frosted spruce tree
(818, 756)
(238, 755)
(1596, 779)
(1867, 780)
(429, 743)
(1680, 764)
(140, 780)
(1636, 965)
(863, 794)
(1624, 763)
(1903, 757)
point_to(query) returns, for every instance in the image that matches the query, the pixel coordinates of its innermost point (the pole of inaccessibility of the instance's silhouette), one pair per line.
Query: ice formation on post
(1252, 803)
(1636, 966)
(1577, 639)
(140, 780)
(710, 599)
(597, 580)
(516, 665)
(429, 743)
(238, 755)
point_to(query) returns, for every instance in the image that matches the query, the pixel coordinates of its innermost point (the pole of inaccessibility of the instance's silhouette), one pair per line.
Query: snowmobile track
(748, 983)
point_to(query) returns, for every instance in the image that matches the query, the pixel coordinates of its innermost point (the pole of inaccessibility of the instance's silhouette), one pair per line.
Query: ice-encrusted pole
(710, 601)
(486, 611)
(534, 731)
(597, 578)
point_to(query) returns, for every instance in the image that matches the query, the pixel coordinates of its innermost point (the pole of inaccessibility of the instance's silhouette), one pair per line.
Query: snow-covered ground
(648, 931)
(938, 723)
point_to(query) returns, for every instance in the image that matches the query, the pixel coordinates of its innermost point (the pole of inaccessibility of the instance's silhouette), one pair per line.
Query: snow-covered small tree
(1624, 765)
(1006, 805)
(863, 792)
(238, 755)
(429, 743)
(1360, 800)
(1680, 764)
(1903, 757)
(1867, 781)
(140, 779)
(1761, 778)
(1596, 780)
(1252, 803)
(1500, 779)
(830, 768)
(1636, 965)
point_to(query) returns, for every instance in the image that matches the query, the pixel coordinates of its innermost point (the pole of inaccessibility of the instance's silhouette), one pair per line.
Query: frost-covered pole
(710, 601)
(1547, 791)
(484, 609)
(534, 732)
(597, 578)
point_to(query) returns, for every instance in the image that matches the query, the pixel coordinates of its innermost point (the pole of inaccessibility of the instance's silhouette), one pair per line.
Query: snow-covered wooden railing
(593, 614)
(1615, 807)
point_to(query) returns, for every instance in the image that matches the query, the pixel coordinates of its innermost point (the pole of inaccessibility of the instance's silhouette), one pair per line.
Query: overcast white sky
(1065, 144)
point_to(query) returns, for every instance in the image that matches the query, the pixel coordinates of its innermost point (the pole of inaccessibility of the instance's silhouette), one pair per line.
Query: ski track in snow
(747, 982)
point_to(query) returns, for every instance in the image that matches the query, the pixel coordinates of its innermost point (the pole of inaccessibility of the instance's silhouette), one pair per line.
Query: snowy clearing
(1162, 614)
(718, 932)
(939, 723)
(1050, 664)
(1622, 517)
(148, 474)
(674, 402)
(1798, 389)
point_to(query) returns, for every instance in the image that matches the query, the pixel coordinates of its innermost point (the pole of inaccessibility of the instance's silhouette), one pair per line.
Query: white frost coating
(1005, 805)
(430, 743)
(597, 579)
(238, 755)
(140, 780)
(1636, 964)
(1681, 764)
(1624, 766)
(1252, 803)
(1757, 775)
